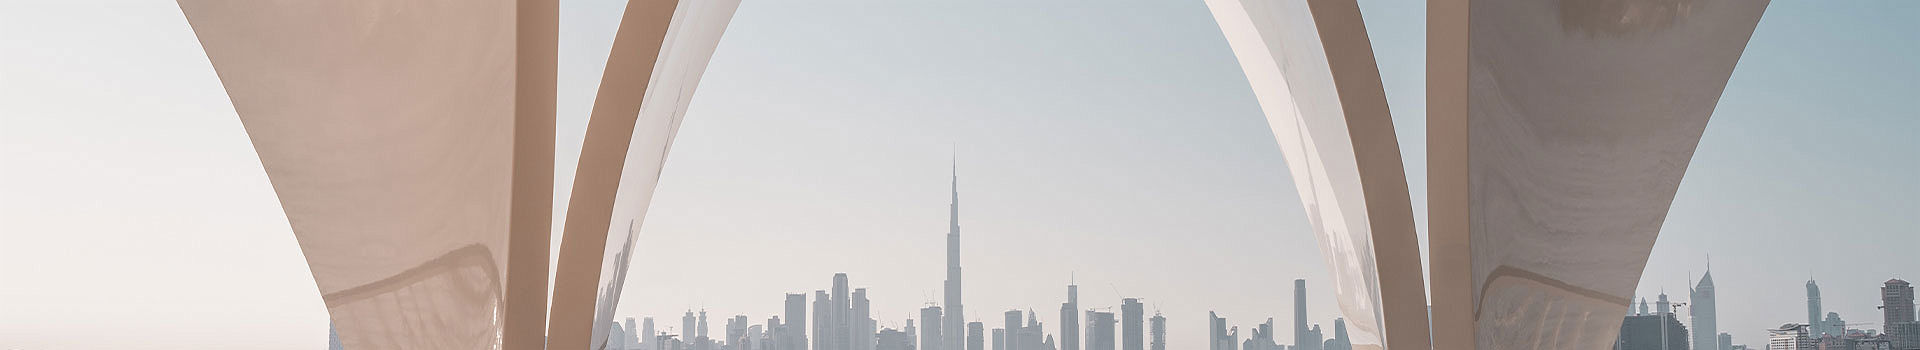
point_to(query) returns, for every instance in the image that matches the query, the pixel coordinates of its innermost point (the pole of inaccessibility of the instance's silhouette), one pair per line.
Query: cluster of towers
(1658, 328)
(1222, 337)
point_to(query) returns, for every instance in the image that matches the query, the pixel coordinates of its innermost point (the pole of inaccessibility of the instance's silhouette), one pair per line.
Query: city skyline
(1087, 127)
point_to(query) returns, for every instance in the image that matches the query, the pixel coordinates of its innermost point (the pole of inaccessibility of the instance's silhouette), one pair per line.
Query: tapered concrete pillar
(1558, 132)
(410, 143)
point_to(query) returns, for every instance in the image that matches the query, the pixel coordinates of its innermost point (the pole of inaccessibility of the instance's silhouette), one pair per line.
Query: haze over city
(1110, 144)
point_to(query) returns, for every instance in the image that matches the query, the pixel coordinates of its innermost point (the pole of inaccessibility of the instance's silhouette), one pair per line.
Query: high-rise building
(1158, 332)
(1013, 326)
(1340, 340)
(795, 335)
(912, 334)
(999, 339)
(1706, 335)
(931, 319)
(1791, 336)
(976, 340)
(1725, 342)
(1099, 331)
(1833, 325)
(822, 321)
(647, 335)
(687, 326)
(863, 325)
(632, 340)
(1132, 316)
(842, 314)
(616, 335)
(1217, 327)
(704, 343)
(1070, 319)
(1262, 338)
(953, 325)
(1300, 318)
(891, 339)
(1896, 307)
(1813, 310)
(1661, 331)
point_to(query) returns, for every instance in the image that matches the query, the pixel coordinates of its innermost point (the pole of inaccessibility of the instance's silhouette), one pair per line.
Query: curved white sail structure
(1559, 132)
(658, 57)
(1312, 69)
(410, 143)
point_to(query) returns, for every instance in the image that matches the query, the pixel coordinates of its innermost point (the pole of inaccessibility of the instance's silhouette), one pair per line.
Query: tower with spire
(1705, 332)
(955, 320)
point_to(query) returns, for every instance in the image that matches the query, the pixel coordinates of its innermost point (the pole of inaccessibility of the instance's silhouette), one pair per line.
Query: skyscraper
(796, 323)
(1217, 327)
(1706, 335)
(863, 326)
(1132, 313)
(975, 338)
(1070, 319)
(822, 321)
(930, 318)
(841, 315)
(687, 327)
(647, 335)
(1340, 340)
(1013, 327)
(1791, 336)
(1813, 310)
(1896, 307)
(1158, 331)
(953, 325)
(1099, 331)
(1301, 339)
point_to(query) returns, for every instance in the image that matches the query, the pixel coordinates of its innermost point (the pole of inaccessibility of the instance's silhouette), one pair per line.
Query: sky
(1110, 142)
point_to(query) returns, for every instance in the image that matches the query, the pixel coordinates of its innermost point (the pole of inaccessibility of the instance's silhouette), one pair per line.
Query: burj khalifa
(954, 323)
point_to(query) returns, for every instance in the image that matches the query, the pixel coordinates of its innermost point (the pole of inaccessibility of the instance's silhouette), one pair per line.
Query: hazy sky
(1112, 140)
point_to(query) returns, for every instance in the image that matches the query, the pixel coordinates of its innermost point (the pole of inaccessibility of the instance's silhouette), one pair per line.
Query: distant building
(1649, 332)
(930, 321)
(1340, 340)
(1791, 336)
(1262, 338)
(822, 318)
(1813, 311)
(1219, 336)
(863, 325)
(794, 336)
(892, 339)
(1706, 334)
(1099, 330)
(616, 336)
(1132, 327)
(1896, 306)
(999, 339)
(1300, 332)
(1158, 332)
(975, 340)
(1069, 319)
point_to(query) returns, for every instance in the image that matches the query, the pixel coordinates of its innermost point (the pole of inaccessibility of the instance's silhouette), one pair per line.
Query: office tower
(776, 334)
(1217, 327)
(1663, 305)
(1896, 307)
(953, 325)
(1791, 336)
(1706, 335)
(1813, 309)
(646, 335)
(1030, 335)
(1013, 326)
(912, 334)
(890, 339)
(1340, 340)
(975, 338)
(1643, 308)
(1833, 325)
(842, 314)
(1099, 331)
(1070, 319)
(687, 326)
(796, 324)
(1262, 338)
(1651, 331)
(822, 320)
(616, 336)
(705, 343)
(756, 338)
(999, 339)
(932, 319)
(1158, 331)
(1725, 343)
(862, 321)
(736, 329)
(1132, 314)
(1300, 315)
(1312, 341)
